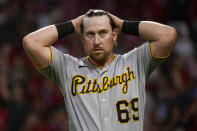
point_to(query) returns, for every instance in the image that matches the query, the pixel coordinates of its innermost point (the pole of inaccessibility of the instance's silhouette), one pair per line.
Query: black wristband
(64, 29)
(131, 27)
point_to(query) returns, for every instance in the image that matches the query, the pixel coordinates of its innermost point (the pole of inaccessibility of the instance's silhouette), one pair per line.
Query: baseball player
(103, 91)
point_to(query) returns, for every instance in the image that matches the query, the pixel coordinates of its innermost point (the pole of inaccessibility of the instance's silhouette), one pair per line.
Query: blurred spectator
(184, 46)
(158, 9)
(178, 10)
(190, 114)
(193, 19)
(16, 104)
(58, 119)
(34, 122)
(3, 117)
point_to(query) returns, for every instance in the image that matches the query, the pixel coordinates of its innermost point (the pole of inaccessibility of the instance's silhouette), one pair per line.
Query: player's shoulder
(136, 52)
(136, 49)
(74, 61)
(59, 53)
(130, 53)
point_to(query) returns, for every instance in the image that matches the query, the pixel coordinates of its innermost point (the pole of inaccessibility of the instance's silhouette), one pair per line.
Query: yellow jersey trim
(114, 56)
(100, 67)
(51, 56)
(162, 57)
(50, 60)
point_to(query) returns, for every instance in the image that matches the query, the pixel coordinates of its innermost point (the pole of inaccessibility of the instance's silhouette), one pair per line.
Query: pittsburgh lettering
(92, 86)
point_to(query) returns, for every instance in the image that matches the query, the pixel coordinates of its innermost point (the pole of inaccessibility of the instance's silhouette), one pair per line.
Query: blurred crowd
(30, 102)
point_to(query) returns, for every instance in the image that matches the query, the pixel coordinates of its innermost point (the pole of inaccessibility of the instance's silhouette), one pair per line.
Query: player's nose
(97, 40)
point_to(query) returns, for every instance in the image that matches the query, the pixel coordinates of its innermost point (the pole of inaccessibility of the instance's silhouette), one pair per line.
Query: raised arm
(161, 37)
(37, 44)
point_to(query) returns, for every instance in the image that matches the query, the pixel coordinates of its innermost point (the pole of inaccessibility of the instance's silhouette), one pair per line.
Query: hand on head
(117, 21)
(77, 23)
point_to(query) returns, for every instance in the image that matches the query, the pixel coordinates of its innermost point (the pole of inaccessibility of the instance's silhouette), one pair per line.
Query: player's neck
(102, 63)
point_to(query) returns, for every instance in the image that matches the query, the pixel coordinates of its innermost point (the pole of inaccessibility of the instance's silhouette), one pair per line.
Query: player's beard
(101, 57)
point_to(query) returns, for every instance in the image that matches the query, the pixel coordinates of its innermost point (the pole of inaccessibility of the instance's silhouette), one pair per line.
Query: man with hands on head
(103, 91)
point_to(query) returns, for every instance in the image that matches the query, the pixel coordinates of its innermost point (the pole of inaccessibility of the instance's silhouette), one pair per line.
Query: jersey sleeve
(145, 59)
(56, 67)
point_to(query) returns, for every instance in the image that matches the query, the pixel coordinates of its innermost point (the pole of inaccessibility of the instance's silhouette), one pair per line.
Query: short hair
(98, 12)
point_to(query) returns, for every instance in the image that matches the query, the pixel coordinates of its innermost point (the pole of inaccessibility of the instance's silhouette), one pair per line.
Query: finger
(117, 30)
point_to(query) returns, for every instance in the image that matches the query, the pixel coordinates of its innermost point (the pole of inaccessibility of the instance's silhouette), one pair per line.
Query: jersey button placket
(104, 100)
(103, 105)
(105, 118)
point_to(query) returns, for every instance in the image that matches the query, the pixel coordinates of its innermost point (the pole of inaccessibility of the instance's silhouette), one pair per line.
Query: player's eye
(103, 33)
(90, 34)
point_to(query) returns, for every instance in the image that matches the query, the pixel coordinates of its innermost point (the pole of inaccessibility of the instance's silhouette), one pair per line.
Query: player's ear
(82, 38)
(115, 34)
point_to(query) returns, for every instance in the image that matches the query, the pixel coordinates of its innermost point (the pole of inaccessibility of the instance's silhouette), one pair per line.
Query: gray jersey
(108, 99)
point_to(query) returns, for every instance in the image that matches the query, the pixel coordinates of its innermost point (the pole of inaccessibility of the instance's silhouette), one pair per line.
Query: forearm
(43, 37)
(36, 44)
(162, 37)
(154, 31)
(46, 36)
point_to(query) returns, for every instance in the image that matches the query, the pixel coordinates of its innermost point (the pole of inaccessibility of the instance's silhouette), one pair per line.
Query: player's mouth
(97, 50)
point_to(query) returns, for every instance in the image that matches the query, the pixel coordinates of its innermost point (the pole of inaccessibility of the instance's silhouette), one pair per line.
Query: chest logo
(92, 86)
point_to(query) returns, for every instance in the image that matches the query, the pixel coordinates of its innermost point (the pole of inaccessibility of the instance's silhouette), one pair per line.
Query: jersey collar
(100, 67)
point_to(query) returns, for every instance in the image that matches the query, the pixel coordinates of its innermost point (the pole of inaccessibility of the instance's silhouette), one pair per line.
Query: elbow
(170, 38)
(173, 35)
(27, 41)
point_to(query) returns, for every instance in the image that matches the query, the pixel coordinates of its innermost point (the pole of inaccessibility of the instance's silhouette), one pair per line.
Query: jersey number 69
(122, 108)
